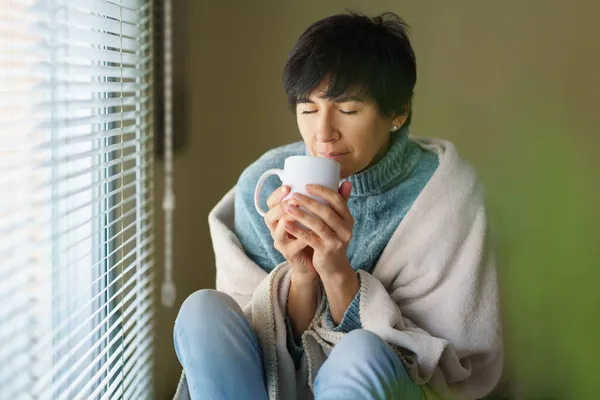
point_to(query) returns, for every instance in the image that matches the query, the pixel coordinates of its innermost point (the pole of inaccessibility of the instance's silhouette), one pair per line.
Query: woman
(391, 291)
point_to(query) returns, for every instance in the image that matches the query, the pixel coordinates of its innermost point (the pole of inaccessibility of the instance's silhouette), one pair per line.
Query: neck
(380, 154)
(393, 163)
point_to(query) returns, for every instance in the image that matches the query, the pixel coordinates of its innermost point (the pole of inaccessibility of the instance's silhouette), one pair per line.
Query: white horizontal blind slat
(67, 34)
(22, 224)
(103, 260)
(68, 53)
(72, 153)
(75, 370)
(74, 72)
(139, 346)
(100, 7)
(137, 371)
(50, 237)
(90, 134)
(141, 336)
(62, 335)
(76, 234)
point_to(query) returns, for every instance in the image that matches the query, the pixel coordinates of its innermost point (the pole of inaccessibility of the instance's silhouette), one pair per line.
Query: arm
(341, 290)
(328, 236)
(347, 319)
(301, 304)
(258, 243)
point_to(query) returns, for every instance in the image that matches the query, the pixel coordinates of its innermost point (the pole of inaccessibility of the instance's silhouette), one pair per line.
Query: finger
(280, 235)
(273, 216)
(334, 199)
(277, 195)
(315, 224)
(286, 243)
(294, 248)
(345, 190)
(306, 237)
(322, 211)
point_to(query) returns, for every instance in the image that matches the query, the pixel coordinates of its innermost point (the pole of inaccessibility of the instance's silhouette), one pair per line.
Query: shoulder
(427, 160)
(446, 157)
(454, 179)
(273, 158)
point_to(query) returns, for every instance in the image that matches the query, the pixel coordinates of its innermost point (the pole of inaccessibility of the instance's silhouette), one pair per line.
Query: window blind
(76, 242)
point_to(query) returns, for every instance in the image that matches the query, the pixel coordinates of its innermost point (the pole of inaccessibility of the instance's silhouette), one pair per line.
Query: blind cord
(168, 286)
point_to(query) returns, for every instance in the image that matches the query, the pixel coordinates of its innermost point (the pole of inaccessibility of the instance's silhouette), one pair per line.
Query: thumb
(345, 190)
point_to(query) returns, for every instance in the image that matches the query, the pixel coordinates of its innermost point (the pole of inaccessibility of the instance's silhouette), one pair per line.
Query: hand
(329, 230)
(298, 254)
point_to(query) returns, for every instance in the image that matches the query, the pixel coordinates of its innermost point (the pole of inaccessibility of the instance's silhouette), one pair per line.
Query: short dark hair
(354, 50)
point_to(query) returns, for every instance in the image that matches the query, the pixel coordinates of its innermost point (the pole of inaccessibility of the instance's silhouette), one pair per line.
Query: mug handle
(259, 185)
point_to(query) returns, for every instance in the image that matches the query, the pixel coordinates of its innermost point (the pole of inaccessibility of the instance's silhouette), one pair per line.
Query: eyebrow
(340, 99)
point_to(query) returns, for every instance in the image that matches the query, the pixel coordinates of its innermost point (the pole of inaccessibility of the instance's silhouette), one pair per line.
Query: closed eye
(348, 112)
(309, 112)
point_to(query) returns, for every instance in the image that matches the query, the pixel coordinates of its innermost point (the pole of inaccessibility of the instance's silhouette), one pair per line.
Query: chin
(347, 170)
(344, 174)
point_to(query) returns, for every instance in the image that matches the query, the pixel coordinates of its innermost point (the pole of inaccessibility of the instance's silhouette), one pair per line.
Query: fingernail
(292, 208)
(284, 189)
(309, 187)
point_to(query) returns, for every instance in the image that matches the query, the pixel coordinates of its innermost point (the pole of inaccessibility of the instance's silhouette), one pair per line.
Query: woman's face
(348, 129)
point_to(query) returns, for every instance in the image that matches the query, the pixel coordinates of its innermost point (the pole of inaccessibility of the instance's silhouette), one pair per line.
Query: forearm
(301, 304)
(341, 290)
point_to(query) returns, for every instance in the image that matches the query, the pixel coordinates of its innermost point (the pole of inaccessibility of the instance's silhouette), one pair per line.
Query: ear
(399, 120)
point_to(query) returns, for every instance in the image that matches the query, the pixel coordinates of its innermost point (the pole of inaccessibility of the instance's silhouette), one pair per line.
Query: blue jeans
(222, 359)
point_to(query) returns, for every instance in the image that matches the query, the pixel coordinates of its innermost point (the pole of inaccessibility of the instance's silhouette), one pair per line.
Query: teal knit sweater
(381, 196)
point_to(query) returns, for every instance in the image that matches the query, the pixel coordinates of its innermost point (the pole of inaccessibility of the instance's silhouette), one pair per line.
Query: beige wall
(514, 84)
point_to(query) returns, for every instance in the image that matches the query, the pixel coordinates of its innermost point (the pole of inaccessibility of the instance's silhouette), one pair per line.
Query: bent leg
(219, 352)
(362, 366)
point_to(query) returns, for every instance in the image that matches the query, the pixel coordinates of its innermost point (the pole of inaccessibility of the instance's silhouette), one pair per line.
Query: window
(76, 251)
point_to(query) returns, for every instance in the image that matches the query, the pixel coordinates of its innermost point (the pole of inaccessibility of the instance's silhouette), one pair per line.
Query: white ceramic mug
(299, 171)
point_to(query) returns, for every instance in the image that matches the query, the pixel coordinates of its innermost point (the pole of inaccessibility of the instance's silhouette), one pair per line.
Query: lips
(331, 155)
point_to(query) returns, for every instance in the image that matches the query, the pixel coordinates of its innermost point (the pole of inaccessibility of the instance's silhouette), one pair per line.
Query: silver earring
(394, 128)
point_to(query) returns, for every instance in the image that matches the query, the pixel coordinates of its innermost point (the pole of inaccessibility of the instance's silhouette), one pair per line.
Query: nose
(326, 130)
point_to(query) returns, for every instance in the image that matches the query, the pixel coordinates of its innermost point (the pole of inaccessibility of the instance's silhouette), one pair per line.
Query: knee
(362, 350)
(364, 364)
(204, 306)
(361, 344)
(355, 355)
(359, 347)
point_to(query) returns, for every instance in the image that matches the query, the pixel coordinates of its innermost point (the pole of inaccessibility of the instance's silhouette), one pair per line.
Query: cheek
(366, 143)
(363, 138)
(304, 129)
(364, 153)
